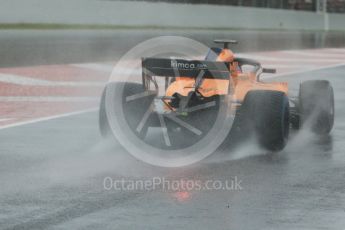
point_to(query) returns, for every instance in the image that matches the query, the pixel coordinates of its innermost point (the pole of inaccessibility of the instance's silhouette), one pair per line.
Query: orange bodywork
(242, 82)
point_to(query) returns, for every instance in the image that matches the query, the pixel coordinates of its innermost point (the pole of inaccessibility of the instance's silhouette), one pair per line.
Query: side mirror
(265, 70)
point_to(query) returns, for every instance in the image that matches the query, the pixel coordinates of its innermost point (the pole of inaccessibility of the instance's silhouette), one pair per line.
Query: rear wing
(164, 67)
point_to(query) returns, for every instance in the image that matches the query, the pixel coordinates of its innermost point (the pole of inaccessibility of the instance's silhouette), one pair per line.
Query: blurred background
(48, 32)
(333, 6)
(56, 57)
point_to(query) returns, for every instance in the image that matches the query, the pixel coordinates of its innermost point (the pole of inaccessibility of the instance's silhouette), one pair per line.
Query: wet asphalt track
(51, 177)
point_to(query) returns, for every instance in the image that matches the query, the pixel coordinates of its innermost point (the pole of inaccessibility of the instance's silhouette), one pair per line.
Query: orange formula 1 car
(183, 104)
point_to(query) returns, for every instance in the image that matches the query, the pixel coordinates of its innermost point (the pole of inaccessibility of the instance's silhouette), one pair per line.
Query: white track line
(21, 80)
(302, 71)
(6, 119)
(125, 71)
(334, 50)
(47, 118)
(320, 54)
(95, 66)
(293, 60)
(278, 66)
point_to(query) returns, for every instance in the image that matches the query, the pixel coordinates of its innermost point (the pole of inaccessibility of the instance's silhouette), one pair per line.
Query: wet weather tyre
(316, 106)
(268, 112)
(130, 109)
(133, 111)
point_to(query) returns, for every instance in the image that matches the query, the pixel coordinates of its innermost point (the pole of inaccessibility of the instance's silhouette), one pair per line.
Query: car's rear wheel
(316, 106)
(140, 122)
(268, 112)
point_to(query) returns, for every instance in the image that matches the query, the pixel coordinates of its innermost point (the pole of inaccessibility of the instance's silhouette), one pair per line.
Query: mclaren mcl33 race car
(194, 104)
